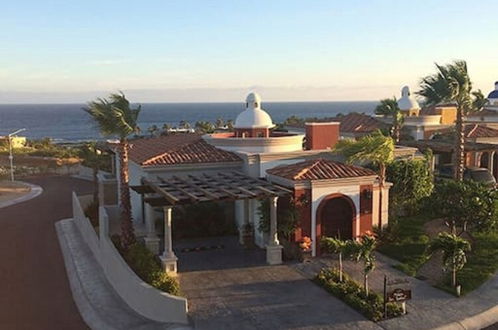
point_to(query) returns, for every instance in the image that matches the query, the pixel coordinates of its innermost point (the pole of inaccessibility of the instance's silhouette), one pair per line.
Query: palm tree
(204, 127)
(375, 148)
(451, 84)
(166, 128)
(91, 158)
(230, 125)
(389, 107)
(220, 123)
(337, 246)
(453, 248)
(479, 101)
(363, 250)
(115, 117)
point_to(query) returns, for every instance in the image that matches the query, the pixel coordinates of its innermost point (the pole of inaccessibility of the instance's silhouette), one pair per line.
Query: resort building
(253, 166)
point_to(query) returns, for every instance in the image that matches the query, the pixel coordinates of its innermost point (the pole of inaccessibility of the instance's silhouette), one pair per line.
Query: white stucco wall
(318, 193)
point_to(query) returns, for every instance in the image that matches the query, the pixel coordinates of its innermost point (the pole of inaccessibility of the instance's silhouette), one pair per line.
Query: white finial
(405, 91)
(253, 101)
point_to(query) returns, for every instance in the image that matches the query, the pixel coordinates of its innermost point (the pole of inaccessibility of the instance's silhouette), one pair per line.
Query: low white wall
(83, 223)
(140, 296)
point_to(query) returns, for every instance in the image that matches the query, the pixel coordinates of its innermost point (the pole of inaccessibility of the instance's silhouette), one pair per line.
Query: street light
(11, 157)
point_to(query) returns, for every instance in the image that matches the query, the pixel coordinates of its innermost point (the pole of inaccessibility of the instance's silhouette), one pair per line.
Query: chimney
(321, 136)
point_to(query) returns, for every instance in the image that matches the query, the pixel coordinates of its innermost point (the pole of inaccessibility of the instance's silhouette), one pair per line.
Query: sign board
(397, 281)
(399, 295)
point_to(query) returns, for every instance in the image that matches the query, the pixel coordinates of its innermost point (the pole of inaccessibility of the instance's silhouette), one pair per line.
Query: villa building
(249, 165)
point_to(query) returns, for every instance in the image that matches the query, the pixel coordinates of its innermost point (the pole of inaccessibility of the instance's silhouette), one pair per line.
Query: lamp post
(11, 157)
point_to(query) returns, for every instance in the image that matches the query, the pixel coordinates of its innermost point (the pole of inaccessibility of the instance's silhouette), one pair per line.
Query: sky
(215, 51)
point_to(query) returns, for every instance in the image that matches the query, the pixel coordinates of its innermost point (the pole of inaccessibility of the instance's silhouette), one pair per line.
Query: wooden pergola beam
(193, 197)
(172, 199)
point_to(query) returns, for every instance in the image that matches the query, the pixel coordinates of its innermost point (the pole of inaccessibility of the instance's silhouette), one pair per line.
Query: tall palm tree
(389, 107)
(337, 246)
(153, 130)
(454, 249)
(114, 116)
(166, 128)
(375, 148)
(451, 84)
(363, 250)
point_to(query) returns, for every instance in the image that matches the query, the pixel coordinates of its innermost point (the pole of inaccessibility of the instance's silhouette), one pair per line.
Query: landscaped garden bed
(147, 266)
(371, 305)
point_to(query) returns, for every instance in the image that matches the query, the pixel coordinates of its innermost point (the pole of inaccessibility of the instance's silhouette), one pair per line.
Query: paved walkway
(257, 297)
(99, 304)
(430, 307)
(35, 292)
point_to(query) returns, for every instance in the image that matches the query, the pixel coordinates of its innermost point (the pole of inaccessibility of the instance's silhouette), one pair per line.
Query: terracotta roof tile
(177, 149)
(474, 131)
(319, 169)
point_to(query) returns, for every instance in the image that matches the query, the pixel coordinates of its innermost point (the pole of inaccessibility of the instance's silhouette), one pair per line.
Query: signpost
(396, 295)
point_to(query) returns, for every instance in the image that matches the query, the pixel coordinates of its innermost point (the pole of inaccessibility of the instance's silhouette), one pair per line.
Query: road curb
(35, 192)
(476, 322)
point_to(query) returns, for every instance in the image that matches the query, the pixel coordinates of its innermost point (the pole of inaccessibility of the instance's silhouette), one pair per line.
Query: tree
(288, 216)
(467, 205)
(363, 250)
(479, 101)
(374, 148)
(230, 125)
(153, 130)
(115, 117)
(451, 84)
(220, 123)
(412, 182)
(454, 249)
(337, 246)
(91, 158)
(204, 127)
(389, 107)
(166, 127)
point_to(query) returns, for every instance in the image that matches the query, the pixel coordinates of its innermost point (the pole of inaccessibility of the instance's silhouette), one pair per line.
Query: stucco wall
(140, 296)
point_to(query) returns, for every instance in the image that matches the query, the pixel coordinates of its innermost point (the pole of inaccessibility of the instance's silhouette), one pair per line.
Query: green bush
(371, 305)
(147, 266)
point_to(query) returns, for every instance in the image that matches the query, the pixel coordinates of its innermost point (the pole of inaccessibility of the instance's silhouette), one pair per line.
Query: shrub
(92, 213)
(371, 305)
(147, 266)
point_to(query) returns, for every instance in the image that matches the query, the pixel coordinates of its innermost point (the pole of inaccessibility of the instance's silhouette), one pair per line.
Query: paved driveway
(35, 293)
(258, 296)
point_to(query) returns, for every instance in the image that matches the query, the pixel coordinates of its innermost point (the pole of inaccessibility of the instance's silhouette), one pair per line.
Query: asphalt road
(35, 291)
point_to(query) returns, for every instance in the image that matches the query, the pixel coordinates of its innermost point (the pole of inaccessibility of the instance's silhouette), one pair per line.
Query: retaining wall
(140, 296)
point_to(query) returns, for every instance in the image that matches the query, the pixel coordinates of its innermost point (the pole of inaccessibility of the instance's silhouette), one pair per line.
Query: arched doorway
(335, 217)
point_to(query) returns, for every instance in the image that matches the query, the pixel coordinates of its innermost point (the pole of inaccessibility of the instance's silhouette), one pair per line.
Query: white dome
(253, 116)
(407, 102)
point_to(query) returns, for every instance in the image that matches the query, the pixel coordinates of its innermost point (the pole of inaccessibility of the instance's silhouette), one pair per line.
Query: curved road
(35, 292)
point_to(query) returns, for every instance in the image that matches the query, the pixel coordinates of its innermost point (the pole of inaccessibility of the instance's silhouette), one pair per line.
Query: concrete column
(273, 222)
(151, 240)
(169, 259)
(273, 249)
(490, 161)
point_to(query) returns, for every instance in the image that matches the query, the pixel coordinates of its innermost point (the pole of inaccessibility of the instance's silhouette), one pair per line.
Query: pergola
(167, 192)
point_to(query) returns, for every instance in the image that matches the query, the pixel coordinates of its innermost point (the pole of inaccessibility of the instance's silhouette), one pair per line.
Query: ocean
(69, 123)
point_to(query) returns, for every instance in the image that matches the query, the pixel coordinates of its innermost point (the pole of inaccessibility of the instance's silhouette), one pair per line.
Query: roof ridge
(306, 169)
(177, 148)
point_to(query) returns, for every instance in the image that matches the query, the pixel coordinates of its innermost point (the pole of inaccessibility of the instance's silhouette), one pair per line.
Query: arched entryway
(335, 217)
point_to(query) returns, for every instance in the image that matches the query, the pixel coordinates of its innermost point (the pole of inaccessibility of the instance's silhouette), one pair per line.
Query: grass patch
(411, 243)
(482, 263)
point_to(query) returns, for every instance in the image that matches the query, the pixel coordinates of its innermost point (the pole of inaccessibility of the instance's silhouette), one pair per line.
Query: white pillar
(151, 240)
(273, 249)
(169, 259)
(490, 161)
(273, 222)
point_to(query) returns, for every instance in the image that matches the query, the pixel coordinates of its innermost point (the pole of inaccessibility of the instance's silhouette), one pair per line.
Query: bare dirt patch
(10, 190)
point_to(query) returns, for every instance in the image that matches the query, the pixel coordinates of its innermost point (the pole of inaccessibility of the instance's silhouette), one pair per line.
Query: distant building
(17, 141)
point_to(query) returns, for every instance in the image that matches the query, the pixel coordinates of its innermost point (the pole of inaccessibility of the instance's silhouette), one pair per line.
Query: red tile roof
(359, 123)
(480, 131)
(319, 169)
(474, 131)
(177, 149)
